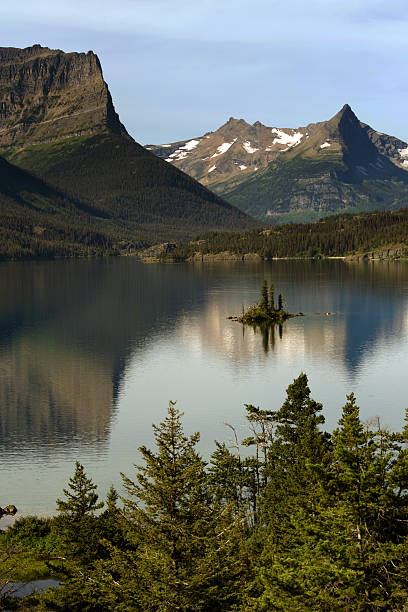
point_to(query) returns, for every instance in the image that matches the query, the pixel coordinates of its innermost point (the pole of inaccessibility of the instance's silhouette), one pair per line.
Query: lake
(91, 352)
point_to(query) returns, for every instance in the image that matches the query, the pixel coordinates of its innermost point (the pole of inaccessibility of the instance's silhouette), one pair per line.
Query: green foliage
(100, 195)
(76, 524)
(30, 533)
(264, 311)
(331, 237)
(82, 499)
(291, 518)
(182, 535)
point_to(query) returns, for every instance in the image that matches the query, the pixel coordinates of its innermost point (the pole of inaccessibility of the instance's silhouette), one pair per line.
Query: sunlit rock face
(46, 94)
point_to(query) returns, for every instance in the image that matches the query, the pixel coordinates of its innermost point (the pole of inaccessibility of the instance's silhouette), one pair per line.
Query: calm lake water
(91, 352)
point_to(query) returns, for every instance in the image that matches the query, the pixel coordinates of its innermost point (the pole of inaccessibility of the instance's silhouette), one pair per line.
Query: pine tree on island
(265, 311)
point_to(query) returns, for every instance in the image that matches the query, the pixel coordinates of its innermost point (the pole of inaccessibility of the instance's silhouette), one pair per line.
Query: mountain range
(285, 174)
(72, 180)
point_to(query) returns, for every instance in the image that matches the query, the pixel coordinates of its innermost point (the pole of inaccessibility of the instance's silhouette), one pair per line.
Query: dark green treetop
(81, 497)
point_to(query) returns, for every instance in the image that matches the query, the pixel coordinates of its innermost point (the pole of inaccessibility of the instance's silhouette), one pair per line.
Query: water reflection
(367, 303)
(269, 332)
(67, 330)
(79, 341)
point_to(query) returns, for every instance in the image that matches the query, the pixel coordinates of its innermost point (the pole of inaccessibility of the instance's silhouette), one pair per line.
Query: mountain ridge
(279, 174)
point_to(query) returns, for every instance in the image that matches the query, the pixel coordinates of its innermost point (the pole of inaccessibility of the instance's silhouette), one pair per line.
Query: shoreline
(387, 254)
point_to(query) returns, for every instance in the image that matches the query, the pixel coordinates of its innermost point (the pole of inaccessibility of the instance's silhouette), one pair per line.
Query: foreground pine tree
(186, 539)
(76, 523)
(81, 497)
(339, 542)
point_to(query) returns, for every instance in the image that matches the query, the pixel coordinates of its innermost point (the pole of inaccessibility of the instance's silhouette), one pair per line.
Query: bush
(30, 533)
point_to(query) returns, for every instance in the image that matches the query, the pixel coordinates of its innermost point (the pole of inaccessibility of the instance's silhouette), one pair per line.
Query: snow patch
(183, 151)
(177, 156)
(403, 153)
(223, 148)
(242, 167)
(190, 145)
(212, 169)
(248, 147)
(163, 146)
(286, 139)
(325, 145)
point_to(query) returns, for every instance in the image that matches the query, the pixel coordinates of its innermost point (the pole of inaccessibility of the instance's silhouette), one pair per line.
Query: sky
(179, 68)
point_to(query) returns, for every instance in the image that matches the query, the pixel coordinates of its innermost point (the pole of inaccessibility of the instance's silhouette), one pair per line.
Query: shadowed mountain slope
(58, 123)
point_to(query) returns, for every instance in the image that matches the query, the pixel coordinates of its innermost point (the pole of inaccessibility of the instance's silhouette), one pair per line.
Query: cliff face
(47, 94)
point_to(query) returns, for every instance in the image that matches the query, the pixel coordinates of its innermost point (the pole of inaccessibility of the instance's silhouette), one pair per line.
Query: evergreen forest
(334, 236)
(290, 518)
(104, 195)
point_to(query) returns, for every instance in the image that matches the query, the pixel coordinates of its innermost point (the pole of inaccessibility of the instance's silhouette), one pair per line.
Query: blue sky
(179, 68)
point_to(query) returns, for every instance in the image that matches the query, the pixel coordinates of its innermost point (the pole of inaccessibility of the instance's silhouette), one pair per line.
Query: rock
(394, 252)
(152, 254)
(47, 94)
(11, 509)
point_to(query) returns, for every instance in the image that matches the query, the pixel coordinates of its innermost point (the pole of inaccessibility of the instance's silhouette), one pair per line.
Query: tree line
(333, 236)
(289, 518)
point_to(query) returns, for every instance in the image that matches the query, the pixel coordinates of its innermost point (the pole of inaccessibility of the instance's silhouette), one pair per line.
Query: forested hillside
(333, 236)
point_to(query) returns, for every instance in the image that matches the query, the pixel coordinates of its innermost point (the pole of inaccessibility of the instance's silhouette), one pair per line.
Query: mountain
(47, 94)
(58, 126)
(280, 174)
(229, 156)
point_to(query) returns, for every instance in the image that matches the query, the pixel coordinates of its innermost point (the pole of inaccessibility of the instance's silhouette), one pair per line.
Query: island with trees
(265, 312)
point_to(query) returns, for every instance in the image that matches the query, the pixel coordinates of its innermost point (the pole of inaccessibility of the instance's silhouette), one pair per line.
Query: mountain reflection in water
(79, 340)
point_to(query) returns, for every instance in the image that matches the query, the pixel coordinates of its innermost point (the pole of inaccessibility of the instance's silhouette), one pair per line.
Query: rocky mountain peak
(346, 109)
(344, 117)
(237, 160)
(46, 94)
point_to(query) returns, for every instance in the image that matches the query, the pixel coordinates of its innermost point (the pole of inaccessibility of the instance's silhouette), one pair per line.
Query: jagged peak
(346, 112)
(234, 120)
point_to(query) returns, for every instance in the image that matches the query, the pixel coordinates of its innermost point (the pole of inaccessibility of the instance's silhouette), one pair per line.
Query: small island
(265, 312)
